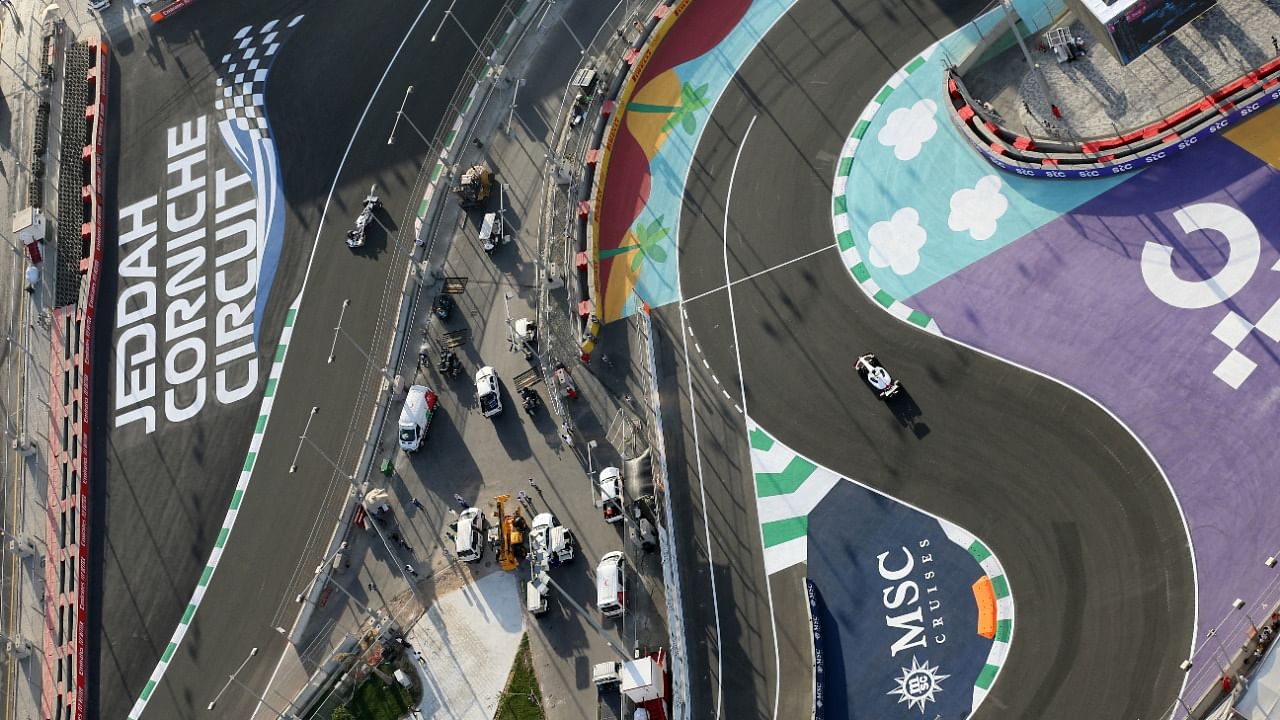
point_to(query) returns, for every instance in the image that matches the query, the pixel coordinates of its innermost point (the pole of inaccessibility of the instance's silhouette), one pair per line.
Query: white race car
(870, 370)
(355, 237)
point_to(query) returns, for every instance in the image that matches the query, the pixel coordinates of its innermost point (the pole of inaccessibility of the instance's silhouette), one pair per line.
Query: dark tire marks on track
(1083, 522)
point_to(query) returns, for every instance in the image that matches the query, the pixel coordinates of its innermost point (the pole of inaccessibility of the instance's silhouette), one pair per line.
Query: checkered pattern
(1236, 367)
(242, 79)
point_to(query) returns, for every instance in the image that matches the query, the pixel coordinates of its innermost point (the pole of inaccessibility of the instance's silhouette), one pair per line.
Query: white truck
(549, 536)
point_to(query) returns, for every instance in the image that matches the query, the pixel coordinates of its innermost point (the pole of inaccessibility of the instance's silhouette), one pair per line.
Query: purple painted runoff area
(1070, 300)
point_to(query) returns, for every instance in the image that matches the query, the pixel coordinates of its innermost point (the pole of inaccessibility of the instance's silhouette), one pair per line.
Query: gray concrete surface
(25, 344)
(480, 458)
(1099, 97)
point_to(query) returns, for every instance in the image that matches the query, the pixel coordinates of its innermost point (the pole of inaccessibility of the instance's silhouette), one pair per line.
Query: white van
(611, 584)
(609, 486)
(468, 542)
(415, 417)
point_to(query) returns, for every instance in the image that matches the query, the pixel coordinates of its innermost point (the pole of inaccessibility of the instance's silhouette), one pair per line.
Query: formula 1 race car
(355, 237)
(870, 370)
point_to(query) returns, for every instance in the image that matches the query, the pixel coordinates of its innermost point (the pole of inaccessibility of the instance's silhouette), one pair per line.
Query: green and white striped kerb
(1004, 607)
(840, 204)
(789, 487)
(229, 520)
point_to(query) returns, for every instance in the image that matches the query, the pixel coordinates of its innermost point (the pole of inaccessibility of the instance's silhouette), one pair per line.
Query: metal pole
(233, 679)
(293, 467)
(511, 114)
(448, 13)
(334, 346)
(1035, 67)
(582, 49)
(391, 140)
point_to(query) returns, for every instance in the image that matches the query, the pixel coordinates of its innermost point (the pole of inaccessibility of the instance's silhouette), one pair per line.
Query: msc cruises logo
(918, 684)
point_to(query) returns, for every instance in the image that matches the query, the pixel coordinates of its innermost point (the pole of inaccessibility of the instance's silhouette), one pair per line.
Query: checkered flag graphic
(242, 79)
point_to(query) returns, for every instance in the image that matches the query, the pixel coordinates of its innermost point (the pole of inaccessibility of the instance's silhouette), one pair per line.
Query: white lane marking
(755, 275)
(742, 392)
(706, 524)
(714, 378)
(704, 364)
(324, 213)
(697, 347)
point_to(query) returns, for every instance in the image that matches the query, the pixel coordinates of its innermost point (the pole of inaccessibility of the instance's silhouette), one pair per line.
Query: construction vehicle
(474, 186)
(512, 530)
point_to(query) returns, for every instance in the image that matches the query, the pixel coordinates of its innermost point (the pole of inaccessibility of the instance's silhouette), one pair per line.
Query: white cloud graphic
(908, 129)
(896, 242)
(977, 209)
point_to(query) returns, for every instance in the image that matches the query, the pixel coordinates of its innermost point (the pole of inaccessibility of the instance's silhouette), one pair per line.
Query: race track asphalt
(1082, 521)
(167, 492)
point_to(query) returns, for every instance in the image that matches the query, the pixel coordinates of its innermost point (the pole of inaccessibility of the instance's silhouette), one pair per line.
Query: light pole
(448, 13)
(233, 679)
(293, 467)
(333, 348)
(1238, 604)
(401, 114)
(1185, 667)
(512, 112)
(582, 49)
(1226, 659)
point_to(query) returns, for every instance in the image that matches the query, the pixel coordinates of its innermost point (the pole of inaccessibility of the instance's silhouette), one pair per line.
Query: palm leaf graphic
(647, 239)
(692, 99)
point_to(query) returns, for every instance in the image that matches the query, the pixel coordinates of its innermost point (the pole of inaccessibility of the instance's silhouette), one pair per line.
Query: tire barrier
(1102, 157)
(70, 408)
(586, 267)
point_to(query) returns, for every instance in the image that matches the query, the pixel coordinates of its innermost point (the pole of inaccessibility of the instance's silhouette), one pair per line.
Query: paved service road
(1085, 526)
(169, 489)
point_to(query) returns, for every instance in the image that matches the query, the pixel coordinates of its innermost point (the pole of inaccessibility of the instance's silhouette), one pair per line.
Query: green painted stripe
(236, 498)
(168, 652)
(846, 165)
(262, 425)
(1004, 630)
(760, 440)
(1001, 586)
(986, 677)
(845, 239)
(148, 689)
(915, 65)
(448, 138)
(188, 614)
(271, 387)
(860, 272)
(206, 575)
(280, 351)
(501, 39)
(841, 205)
(884, 94)
(435, 176)
(861, 128)
(884, 298)
(780, 531)
(290, 316)
(979, 551)
(785, 482)
(222, 536)
(919, 318)
(466, 104)
(248, 462)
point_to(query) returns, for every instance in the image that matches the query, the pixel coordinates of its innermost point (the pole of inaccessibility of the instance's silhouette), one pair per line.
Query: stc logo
(1243, 255)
